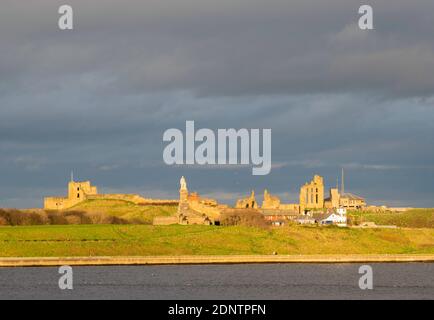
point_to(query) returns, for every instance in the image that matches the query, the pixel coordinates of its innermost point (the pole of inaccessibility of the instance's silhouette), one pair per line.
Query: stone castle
(311, 198)
(82, 191)
(77, 192)
(194, 209)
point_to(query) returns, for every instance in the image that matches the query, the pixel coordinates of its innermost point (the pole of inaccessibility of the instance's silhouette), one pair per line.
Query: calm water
(264, 281)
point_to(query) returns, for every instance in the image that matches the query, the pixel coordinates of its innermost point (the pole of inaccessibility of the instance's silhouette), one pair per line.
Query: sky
(97, 99)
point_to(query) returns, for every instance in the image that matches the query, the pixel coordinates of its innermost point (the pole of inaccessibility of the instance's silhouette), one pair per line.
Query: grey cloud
(227, 47)
(98, 99)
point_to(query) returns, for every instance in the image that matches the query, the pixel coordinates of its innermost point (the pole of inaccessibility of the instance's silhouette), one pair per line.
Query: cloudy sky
(97, 99)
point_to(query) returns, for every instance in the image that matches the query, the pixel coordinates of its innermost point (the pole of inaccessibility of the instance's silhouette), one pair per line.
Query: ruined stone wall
(213, 212)
(312, 194)
(247, 203)
(59, 203)
(270, 202)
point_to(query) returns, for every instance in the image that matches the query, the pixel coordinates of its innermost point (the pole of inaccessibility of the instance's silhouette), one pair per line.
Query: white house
(334, 219)
(338, 218)
(305, 220)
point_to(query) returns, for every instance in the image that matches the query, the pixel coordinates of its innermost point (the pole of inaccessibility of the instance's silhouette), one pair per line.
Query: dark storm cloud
(98, 99)
(225, 47)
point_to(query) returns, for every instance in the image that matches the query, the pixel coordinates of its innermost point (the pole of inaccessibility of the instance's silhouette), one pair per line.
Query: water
(259, 281)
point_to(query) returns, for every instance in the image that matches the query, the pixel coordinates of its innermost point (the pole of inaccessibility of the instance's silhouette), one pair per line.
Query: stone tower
(312, 194)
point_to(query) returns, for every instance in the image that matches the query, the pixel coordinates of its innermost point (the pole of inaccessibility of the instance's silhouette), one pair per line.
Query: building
(333, 201)
(312, 194)
(312, 209)
(351, 201)
(270, 202)
(342, 199)
(339, 217)
(273, 203)
(82, 191)
(77, 192)
(193, 209)
(247, 203)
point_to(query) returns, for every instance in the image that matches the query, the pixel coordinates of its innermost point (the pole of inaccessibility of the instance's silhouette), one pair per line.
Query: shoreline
(204, 260)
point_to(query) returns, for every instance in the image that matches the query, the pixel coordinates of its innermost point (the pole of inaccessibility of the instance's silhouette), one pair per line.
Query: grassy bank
(142, 240)
(415, 218)
(128, 211)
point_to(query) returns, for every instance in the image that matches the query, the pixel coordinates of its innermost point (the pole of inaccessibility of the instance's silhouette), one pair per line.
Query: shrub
(14, 217)
(77, 217)
(245, 217)
(56, 218)
(3, 222)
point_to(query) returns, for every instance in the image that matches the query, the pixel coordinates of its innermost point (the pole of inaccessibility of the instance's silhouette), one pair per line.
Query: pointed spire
(343, 182)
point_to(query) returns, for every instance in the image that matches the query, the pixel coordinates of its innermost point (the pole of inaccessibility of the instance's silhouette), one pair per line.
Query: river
(247, 281)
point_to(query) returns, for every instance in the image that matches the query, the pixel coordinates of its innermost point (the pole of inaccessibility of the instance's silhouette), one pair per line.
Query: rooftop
(351, 196)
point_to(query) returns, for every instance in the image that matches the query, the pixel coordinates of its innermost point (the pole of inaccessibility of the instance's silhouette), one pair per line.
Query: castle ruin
(247, 203)
(312, 194)
(82, 191)
(77, 192)
(194, 209)
(311, 198)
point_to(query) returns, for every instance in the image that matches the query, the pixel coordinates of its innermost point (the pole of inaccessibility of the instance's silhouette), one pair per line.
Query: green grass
(126, 210)
(415, 218)
(125, 240)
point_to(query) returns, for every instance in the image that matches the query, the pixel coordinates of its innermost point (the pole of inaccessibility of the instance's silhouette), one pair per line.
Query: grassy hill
(125, 240)
(415, 218)
(125, 210)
